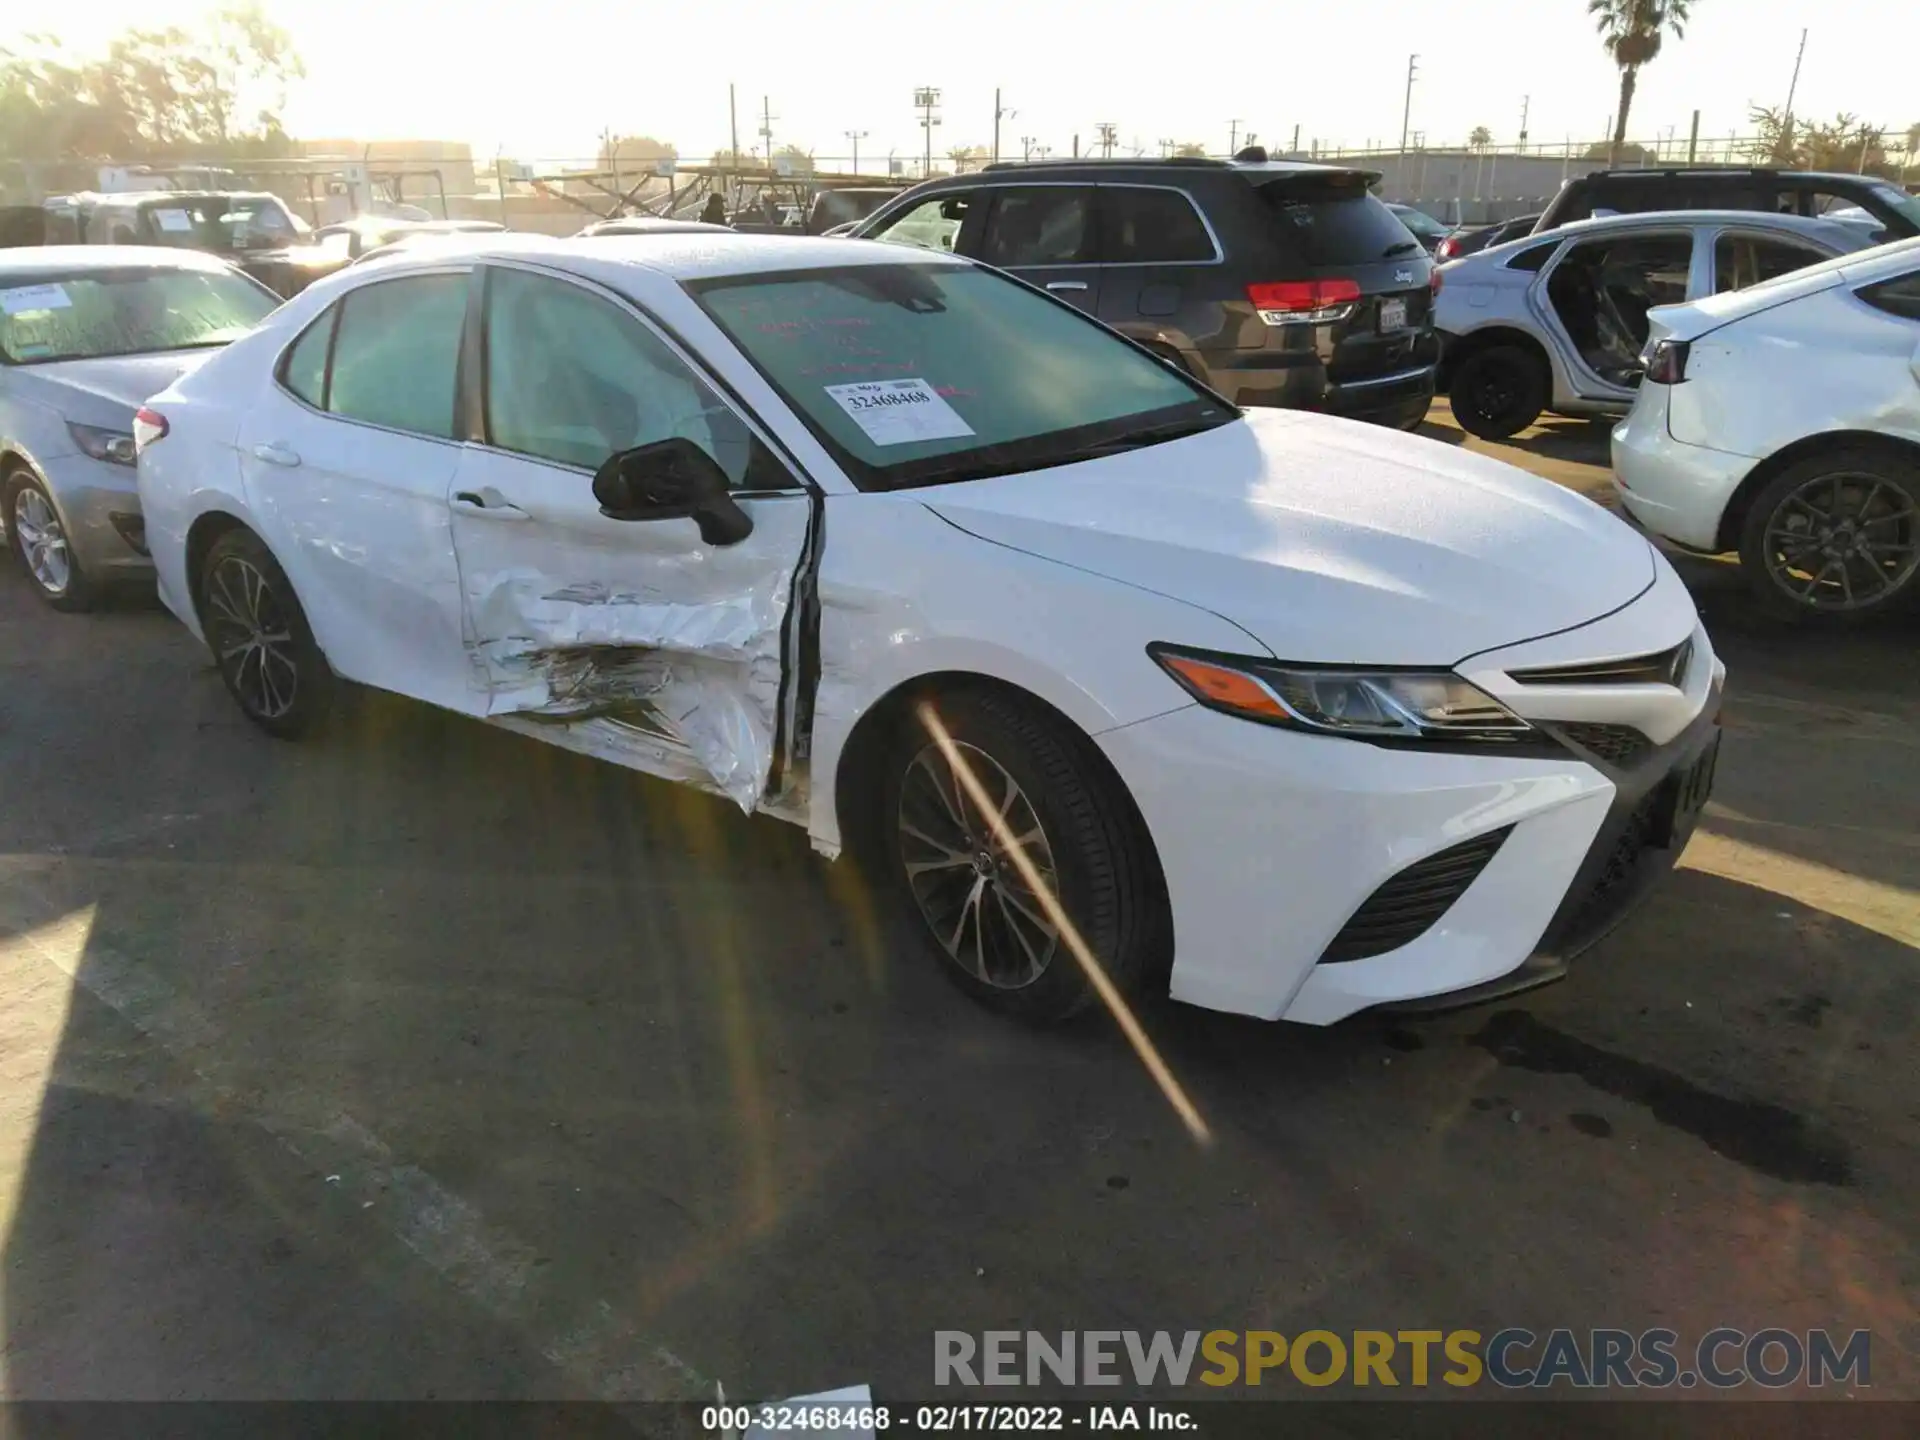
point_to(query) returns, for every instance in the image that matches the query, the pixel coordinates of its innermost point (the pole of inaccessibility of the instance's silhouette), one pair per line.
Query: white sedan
(1289, 715)
(1784, 422)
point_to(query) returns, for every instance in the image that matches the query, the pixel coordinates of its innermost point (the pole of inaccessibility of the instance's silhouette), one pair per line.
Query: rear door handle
(487, 504)
(1066, 285)
(274, 453)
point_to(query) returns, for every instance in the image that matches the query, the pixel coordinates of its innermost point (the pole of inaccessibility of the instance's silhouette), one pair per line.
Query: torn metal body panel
(637, 643)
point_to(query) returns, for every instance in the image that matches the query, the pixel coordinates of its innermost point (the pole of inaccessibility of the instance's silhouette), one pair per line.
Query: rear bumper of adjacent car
(1676, 490)
(1399, 395)
(1278, 848)
(99, 508)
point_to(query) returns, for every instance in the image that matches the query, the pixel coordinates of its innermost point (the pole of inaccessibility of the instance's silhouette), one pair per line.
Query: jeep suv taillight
(1304, 302)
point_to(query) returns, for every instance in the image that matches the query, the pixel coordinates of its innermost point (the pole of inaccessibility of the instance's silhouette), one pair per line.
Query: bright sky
(543, 78)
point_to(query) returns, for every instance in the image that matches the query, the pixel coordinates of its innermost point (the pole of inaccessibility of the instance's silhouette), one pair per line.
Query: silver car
(87, 333)
(1557, 321)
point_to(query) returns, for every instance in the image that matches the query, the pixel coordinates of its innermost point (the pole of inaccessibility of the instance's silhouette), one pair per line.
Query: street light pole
(1000, 113)
(1108, 132)
(924, 99)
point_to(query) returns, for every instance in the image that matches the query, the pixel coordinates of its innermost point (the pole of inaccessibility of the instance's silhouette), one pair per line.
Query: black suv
(1878, 204)
(1275, 283)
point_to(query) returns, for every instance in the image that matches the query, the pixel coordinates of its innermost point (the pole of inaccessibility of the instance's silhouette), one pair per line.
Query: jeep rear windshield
(925, 374)
(1334, 220)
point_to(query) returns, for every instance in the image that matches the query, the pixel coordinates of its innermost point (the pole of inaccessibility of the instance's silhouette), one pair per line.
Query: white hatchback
(1108, 680)
(1784, 422)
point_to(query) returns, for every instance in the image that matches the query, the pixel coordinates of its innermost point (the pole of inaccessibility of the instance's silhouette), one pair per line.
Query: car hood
(122, 383)
(1325, 539)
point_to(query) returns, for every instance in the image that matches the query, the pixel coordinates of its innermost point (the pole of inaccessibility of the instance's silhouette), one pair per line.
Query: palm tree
(1631, 31)
(1480, 139)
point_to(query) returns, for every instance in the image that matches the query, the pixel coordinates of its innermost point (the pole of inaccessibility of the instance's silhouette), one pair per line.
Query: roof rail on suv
(1684, 170)
(1081, 164)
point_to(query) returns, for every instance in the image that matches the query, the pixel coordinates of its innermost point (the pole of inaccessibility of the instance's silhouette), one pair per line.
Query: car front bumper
(1270, 841)
(99, 507)
(1676, 490)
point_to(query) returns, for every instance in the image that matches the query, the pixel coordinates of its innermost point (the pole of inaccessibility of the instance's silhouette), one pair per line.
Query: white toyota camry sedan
(1106, 679)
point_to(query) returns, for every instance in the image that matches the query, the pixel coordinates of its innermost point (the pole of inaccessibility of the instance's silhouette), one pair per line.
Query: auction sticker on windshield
(26, 299)
(899, 412)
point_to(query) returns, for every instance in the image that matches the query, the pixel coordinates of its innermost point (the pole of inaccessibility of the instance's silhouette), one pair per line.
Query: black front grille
(1405, 906)
(1586, 920)
(1665, 667)
(1620, 745)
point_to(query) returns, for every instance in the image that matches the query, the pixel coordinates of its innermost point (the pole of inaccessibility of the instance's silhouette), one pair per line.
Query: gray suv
(1274, 282)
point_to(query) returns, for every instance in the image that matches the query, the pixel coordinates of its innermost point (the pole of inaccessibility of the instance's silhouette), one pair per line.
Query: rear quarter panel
(1826, 362)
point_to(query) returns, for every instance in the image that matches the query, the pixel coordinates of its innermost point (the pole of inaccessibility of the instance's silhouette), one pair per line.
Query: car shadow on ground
(424, 1060)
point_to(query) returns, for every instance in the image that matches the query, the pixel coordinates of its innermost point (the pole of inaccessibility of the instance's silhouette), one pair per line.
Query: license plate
(1393, 315)
(1689, 792)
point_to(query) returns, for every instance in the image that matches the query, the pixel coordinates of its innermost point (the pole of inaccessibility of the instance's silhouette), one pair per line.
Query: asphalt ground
(426, 1061)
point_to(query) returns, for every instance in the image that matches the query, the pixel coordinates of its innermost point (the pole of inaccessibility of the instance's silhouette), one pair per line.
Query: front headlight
(113, 446)
(1366, 704)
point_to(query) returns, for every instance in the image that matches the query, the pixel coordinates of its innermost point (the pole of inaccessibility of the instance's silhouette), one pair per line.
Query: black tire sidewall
(1766, 592)
(79, 594)
(1076, 815)
(315, 684)
(1476, 370)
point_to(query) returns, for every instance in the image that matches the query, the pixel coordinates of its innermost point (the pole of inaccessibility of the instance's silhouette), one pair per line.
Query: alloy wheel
(251, 639)
(973, 898)
(1843, 541)
(42, 541)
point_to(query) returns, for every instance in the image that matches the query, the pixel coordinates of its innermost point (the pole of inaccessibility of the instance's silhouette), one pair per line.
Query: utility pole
(856, 136)
(1406, 118)
(999, 113)
(1786, 124)
(924, 99)
(1233, 138)
(1526, 102)
(766, 129)
(1026, 146)
(1295, 150)
(733, 129)
(1107, 134)
(1693, 139)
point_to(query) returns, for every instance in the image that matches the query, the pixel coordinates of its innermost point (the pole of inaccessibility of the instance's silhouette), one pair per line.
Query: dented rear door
(634, 641)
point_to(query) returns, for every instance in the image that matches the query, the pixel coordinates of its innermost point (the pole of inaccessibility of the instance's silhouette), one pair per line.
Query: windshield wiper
(1151, 435)
(1400, 249)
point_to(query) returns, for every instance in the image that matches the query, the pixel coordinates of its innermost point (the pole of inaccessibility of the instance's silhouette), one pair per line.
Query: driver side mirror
(671, 480)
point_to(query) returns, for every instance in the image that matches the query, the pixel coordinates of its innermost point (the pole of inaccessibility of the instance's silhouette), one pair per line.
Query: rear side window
(1144, 226)
(1335, 221)
(305, 370)
(1743, 260)
(396, 352)
(1040, 225)
(1533, 257)
(1899, 296)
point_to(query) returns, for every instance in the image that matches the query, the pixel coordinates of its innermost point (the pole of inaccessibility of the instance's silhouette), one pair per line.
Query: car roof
(1175, 165)
(1863, 267)
(650, 225)
(1839, 232)
(691, 256)
(1696, 172)
(28, 260)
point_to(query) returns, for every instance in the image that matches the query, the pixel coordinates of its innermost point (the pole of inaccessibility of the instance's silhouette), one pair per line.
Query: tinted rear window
(1335, 221)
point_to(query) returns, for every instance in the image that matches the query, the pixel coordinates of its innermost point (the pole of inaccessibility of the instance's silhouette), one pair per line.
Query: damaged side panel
(663, 658)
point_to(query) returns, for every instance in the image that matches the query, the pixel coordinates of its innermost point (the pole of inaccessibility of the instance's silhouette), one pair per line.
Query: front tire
(1835, 536)
(977, 909)
(1499, 391)
(40, 543)
(260, 638)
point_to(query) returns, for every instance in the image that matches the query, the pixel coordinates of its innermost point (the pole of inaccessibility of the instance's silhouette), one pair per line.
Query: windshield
(124, 312)
(918, 374)
(222, 223)
(1898, 201)
(1418, 221)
